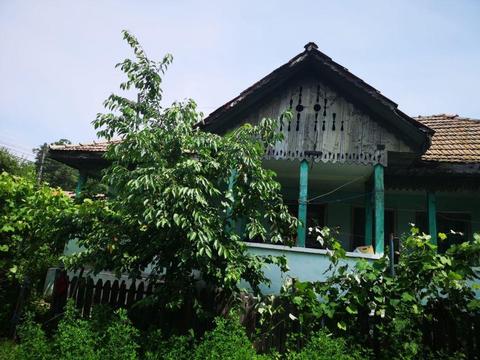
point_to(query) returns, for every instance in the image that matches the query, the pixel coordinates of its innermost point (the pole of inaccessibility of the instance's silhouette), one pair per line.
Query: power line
(28, 155)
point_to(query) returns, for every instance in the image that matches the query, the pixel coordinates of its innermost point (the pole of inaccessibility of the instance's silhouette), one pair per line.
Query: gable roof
(456, 139)
(416, 133)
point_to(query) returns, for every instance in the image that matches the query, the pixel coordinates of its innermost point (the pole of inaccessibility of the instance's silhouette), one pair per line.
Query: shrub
(75, 339)
(173, 348)
(390, 315)
(34, 343)
(322, 346)
(120, 339)
(8, 350)
(227, 340)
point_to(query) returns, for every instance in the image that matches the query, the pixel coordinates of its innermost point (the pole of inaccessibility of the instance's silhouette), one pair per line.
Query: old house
(350, 159)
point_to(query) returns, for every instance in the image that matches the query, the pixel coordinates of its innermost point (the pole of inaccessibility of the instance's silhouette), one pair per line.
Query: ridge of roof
(443, 117)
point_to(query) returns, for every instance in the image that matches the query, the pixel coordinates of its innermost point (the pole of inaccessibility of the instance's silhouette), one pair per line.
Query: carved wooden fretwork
(326, 127)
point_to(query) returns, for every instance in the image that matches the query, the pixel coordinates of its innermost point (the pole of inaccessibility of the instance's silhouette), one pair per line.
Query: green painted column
(82, 180)
(379, 198)
(302, 204)
(368, 217)
(432, 215)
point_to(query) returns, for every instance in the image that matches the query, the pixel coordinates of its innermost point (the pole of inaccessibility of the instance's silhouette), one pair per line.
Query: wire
(336, 189)
(11, 148)
(343, 199)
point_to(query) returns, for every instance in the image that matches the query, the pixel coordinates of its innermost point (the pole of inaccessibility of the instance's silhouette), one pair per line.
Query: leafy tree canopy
(34, 225)
(184, 198)
(14, 165)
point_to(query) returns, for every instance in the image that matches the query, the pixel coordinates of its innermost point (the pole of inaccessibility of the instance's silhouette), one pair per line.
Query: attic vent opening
(299, 108)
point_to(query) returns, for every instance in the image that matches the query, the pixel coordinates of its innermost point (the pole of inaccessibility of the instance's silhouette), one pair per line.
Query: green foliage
(34, 345)
(55, 173)
(322, 346)
(384, 313)
(8, 350)
(78, 338)
(176, 347)
(75, 338)
(120, 339)
(181, 190)
(35, 223)
(14, 165)
(227, 341)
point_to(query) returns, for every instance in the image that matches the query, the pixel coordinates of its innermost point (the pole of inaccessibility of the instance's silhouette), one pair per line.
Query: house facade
(350, 159)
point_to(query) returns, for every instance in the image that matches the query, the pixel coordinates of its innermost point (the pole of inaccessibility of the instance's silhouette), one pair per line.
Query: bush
(75, 338)
(322, 346)
(120, 339)
(393, 316)
(34, 343)
(227, 340)
(8, 350)
(174, 348)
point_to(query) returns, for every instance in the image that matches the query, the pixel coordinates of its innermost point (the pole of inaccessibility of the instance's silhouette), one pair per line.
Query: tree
(53, 172)
(184, 198)
(35, 223)
(14, 165)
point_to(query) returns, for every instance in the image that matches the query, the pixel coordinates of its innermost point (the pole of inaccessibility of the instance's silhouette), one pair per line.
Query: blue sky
(57, 57)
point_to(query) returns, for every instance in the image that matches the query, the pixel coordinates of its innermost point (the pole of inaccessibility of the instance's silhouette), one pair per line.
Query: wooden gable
(337, 117)
(325, 126)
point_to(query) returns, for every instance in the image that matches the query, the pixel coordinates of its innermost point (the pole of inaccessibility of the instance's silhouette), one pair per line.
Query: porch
(370, 202)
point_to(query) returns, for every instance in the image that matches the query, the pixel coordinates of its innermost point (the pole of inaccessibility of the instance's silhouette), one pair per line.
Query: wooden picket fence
(445, 334)
(117, 294)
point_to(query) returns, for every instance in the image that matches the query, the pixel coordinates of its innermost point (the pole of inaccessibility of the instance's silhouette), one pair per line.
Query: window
(446, 222)
(358, 226)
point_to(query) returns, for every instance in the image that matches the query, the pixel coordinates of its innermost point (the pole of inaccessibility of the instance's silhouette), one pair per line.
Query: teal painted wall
(340, 206)
(304, 264)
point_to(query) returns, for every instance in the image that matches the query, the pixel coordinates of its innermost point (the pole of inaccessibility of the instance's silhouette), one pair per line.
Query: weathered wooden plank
(325, 122)
(106, 292)
(87, 306)
(97, 296)
(114, 294)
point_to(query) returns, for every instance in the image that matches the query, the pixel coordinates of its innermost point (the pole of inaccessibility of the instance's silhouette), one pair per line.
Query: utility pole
(42, 162)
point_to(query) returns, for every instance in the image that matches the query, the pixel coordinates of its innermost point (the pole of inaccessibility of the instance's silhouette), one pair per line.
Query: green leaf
(407, 297)
(351, 310)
